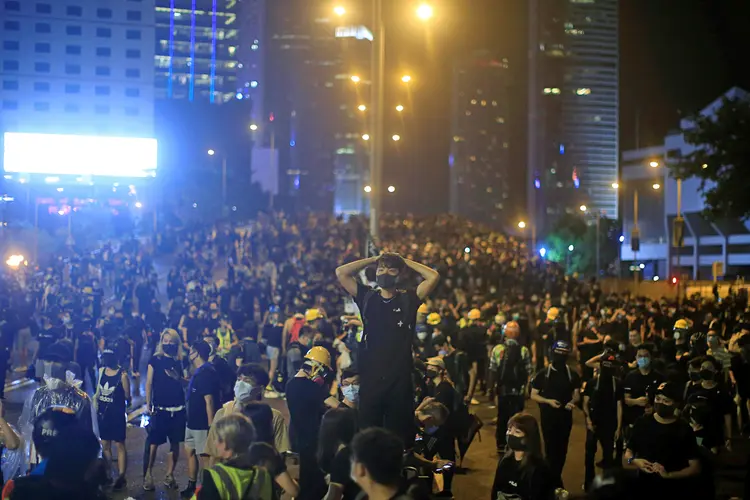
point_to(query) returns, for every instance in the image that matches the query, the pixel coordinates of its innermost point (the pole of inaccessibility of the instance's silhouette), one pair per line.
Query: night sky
(676, 56)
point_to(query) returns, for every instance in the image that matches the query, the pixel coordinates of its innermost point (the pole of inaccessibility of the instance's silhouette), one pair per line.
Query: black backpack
(512, 374)
(251, 351)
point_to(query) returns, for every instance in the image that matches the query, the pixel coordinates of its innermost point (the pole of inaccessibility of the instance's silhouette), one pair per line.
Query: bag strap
(257, 485)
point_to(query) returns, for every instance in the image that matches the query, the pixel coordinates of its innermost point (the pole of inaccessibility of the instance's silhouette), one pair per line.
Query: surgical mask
(676, 335)
(515, 443)
(707, 374)
(242, 391)
(386, 281)
(351, 392)
(170, 349)
(664, 410)
(422, 335)
(644, 362)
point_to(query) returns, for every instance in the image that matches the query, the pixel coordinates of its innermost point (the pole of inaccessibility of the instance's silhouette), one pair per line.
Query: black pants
(446, 448)
(312, 482)
(556, 427)
(4, 358)
(88, 366)
(507, 406)
(604, 435)
(391, 407)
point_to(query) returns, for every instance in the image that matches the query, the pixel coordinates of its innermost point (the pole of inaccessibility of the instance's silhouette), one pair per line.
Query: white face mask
(351, 392)
(243, 391)
(422, 335)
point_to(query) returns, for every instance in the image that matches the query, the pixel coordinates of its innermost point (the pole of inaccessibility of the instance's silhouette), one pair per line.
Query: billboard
(55, 154)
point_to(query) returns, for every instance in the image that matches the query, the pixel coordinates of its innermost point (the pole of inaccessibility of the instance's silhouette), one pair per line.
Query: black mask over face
(664, 410)
(516, 443)
(695, 376)
(170, 349)
(386, 281)
(707, 374)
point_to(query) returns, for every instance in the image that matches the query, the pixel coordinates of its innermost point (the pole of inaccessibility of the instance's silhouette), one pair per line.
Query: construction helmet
(423, 309)
(475, 314)
(312, 314)
(512, 330)
(681, 329)
(434, 319)
(552, 314)
(320, 355)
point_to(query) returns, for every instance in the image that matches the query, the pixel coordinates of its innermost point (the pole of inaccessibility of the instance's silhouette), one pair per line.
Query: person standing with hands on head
(385, 360)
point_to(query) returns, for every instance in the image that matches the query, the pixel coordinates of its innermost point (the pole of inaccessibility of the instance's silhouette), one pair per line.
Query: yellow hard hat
(681, 324)
(434, 319)
(319, 355)
(475, 314)
(423, 309)
(312, 314)
(553, 313)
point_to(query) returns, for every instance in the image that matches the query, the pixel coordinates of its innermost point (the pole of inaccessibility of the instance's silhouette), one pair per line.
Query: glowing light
(656, 278)
(583, 208)
(138, 204)
(399, 108)
(356, 79)
(254, 84)
(391, 189)
(339, 10)
(656, 186)
(195, 205)
(583, 91)
(522, 225)
(622, 239)
(704, 166)
(234, 209)
(362, 107)
(542, 252)
(365, 137)
(239, 96)
(211, 152)
(60, 190)
(674, 280)
(537, 184)
(615, 185)
(653, 164)
(61, 212)
(406, 78)
(15, 260)
(467, 250)
(642, 265)
(368, 189)
(51, 180)
(396, 137)
(425, 11)
(571, 248)
(253, 127)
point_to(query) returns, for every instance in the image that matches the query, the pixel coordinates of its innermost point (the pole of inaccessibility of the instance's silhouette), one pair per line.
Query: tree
(721, 159)
(580, 231)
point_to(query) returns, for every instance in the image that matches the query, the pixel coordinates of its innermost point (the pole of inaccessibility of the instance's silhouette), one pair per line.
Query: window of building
(72, 88)
(103, 32)
(10, 84)
(131, 111)
(73, 30)
(11, 25)
(133, 34)
(11, 45)
(10, 65)
(102, 71)
(101, 109)
(12, 5)
(71, 108)
(10, 105)
(132, 93)
(43, 8)
(74, 10)
(133, 15)
(72, 69)
(101, 90)
(41, 87)
(103, 51)
(132, 73)
(73, 50)
(42, 28)
(133, 54)
(42, 48)
(103, 13)
(41, 67)
(41, 106)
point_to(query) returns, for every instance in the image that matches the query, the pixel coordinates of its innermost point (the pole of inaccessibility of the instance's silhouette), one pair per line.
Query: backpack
(512, 374)
(251, 351)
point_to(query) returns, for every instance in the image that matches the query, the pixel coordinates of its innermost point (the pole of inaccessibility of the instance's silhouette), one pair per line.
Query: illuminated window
(42, 48)
(231, 49)
(73, 50)
(583, 91)
(500, 119)
(103, 51)
(484, 103)
(552, 90)
(494, 103)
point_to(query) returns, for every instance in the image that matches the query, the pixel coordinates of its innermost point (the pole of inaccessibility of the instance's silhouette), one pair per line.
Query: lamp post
(211, 152)
(523, 225)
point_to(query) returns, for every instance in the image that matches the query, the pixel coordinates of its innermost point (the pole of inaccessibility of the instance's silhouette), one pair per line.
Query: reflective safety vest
(241, 484)
(225, 339)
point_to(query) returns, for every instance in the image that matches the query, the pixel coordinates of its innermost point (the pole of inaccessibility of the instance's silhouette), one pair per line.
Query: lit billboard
(54, 154)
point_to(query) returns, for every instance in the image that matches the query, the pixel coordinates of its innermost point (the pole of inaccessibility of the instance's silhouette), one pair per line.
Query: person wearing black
(663, 449)
(385, 349)
(112, 393)
(48, 335)
(272, 332)
(165, 400)
(226, 373)
(711, 395)
(202, 403)
(522, 473)
(443, 391)
(473, 341)
(456, 362)
(602, 405)
(377, 464)
(590, 343)
(638, 387)
(557, 390)
(191, 326)
(308, 397)
(337, 430)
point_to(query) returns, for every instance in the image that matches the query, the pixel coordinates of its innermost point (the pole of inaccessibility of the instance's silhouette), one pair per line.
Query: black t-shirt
(511, 481)
(46, 338)
(637, 385)
(719, 403)
(446, 394)
(305, 400)
(556, 384)
(167, 382)
(588, 351)
(341, 473)
(473, 341)
(205, 382)
(671, 445)
(272, 334)
(604, 392)
(194, 327)
(388, 336)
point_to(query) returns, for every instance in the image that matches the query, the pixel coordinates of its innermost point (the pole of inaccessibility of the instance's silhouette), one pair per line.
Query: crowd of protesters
(381, 361)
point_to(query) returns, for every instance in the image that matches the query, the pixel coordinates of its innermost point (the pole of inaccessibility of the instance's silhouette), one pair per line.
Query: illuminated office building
(197, 44)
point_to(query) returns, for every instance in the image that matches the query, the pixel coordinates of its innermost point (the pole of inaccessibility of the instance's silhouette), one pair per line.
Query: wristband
(630, 460)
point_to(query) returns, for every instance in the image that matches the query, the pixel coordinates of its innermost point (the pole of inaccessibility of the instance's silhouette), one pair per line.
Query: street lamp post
(211, 152)
(378, 118)
(636, 234)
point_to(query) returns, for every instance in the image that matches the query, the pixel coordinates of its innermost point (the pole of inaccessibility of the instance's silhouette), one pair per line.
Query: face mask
(442, 352)
(559, 359)
(676, 335)
(644, 362)
(386, 281)
(515, 443)
(708, 374)
(694, 376)
(351, 392)
(422, 335)
(432, 373)
(242, 391)
(169, 349)
(431, 430)
(713, 341)
(664, 410)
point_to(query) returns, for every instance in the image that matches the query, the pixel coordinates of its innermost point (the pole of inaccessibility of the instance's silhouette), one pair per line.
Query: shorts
(273, 352)
(112, 426)
(167, 425)
(196, 440)
(23, 339)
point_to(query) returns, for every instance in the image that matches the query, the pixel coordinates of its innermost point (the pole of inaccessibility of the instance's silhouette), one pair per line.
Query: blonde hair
(169, 333)
(236, 432)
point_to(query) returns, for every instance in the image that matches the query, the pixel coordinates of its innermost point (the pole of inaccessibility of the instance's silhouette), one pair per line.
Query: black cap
(670, 390)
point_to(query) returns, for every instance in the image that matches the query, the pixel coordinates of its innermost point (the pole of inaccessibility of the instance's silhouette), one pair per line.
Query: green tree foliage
(580, 231)
(721, 159)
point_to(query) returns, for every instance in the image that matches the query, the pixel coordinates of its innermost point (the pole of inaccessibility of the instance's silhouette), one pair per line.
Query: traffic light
(635, 240)
(678, 232)
(674, 280)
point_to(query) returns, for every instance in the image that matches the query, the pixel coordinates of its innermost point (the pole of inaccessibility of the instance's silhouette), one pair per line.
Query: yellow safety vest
(241, 484)
(225, 339)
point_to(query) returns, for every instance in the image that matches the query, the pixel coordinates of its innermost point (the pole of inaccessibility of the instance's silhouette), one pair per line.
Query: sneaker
(170, 483)
(120, 484)
(148, 483)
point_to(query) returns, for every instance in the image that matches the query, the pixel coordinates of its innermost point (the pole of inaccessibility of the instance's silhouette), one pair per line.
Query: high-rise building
(197, 45)
(573, 108)
(77, 67)
(480, 166)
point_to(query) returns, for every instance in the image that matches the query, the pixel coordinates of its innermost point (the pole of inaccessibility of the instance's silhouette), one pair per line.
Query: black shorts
(112, 425)
(165, 425)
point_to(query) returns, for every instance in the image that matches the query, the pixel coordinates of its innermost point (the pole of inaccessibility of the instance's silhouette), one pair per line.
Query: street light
(362, 107)
(356, 79)
(138, 204)
(522, 225)
(615, 185)
(339, 10)
(399, 108)
(391, 189)
(653, 164)
(406, 78)
(211, 152)
(253, 127)
(583, 208)
(396, 137)
(571, 248)
(368, 189)
(656, 186)
(425, 11)
(365, 137)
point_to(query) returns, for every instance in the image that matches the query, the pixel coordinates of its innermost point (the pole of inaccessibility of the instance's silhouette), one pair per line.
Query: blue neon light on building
(191, 90)
(171, 47)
